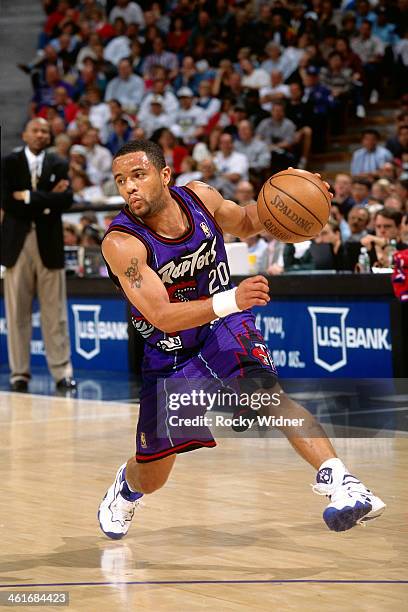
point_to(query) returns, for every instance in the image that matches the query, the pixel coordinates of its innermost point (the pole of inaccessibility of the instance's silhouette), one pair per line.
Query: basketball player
(165, 251)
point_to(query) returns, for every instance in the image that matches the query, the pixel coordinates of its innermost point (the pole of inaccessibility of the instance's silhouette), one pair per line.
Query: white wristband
(224, 303)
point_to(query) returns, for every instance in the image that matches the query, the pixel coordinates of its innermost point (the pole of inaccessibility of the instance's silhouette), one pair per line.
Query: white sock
(334, 463)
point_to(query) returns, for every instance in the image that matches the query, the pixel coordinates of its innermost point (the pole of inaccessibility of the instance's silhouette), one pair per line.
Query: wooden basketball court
(236, 528)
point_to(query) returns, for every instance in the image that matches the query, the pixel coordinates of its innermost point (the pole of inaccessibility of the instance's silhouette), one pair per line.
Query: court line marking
(86, 417)
(181, 582)
(53, 398)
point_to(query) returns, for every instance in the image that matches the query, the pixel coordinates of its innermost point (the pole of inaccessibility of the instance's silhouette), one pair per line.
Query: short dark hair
(154, 152)
(371, 132)
(390, 213)
(361, 180)
(116, 101)
(361, 208)
(125, 59)
(334, 54)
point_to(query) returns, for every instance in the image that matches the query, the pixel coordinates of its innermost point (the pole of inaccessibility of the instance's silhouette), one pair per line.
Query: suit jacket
(45, 209)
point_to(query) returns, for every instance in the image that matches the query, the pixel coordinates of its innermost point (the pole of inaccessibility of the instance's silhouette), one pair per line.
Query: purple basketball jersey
(191, 267)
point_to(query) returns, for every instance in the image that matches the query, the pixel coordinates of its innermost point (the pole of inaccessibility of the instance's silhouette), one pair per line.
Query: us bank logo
(90, 330)
(332, 337)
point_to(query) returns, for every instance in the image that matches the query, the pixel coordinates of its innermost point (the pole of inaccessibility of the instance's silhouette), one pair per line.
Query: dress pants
(22, 282)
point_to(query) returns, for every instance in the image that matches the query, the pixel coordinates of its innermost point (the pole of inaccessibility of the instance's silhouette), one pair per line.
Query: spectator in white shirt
(99, 112)
(277, 90)
(98, 158)
(127, 87)
(275, 58)
(206, 101)
(129, 11)
(232, 165)
(154, 118)
(254, 78)
(170, 102)
(189, 120)
(83, 189)
(119, 46)
(88, 50)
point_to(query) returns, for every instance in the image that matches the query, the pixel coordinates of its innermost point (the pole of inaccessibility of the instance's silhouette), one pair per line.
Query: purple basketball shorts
(232, 355)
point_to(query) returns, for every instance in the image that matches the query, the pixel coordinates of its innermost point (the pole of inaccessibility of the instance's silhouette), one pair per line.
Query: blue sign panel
(98, 334)
(307, 339)
(333, 339)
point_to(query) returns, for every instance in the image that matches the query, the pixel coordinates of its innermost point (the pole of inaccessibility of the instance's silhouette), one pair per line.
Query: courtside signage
(306, 339)
(320, 339)
(98, 334)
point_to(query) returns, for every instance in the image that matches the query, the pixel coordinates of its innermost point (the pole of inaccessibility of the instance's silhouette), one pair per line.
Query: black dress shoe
(20, 385)
(66, 384)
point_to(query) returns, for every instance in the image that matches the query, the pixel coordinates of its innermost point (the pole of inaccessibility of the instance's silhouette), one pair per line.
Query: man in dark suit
(35, 193)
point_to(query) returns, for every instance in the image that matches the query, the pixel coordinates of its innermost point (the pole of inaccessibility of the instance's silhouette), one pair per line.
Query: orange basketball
(293, 205)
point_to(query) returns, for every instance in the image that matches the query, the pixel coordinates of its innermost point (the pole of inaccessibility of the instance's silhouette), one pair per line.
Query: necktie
(34, 175)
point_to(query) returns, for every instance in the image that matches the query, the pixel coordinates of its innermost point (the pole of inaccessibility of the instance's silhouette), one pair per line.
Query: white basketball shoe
(351, 503)
(115, 513)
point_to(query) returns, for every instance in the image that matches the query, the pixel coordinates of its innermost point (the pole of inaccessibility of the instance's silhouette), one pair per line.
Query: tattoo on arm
(133, 274)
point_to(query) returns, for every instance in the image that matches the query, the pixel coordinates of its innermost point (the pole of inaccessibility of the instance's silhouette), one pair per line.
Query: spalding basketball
(294, 205)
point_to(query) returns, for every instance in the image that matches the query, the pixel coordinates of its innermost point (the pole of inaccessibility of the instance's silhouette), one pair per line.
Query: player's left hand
(325, 183)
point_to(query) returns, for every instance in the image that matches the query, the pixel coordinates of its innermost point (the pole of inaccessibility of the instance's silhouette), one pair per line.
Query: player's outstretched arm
(127, 258)
(240, 221)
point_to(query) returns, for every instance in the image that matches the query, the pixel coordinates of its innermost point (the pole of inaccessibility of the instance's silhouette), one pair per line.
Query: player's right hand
(252, 291)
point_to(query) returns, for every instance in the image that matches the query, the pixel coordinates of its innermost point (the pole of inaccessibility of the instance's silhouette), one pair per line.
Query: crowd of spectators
(368, 214)
(233, 91)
